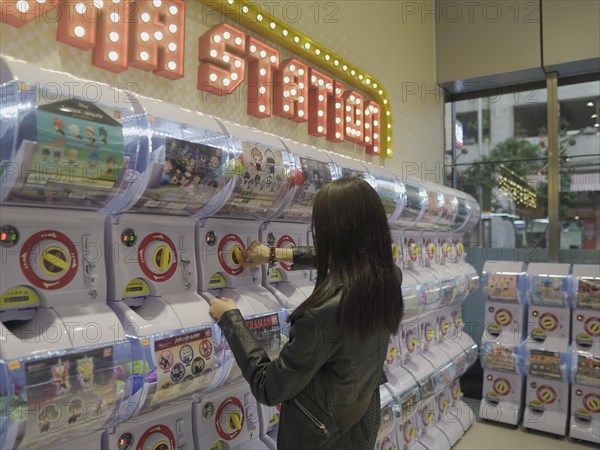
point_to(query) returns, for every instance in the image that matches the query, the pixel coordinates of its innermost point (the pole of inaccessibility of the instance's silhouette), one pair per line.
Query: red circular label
(546, 394)
(227, 239)
(503, 317)
(591, 402)
(592, 326)
(149, 239)
(548, 322)
(70, 267)
(162, 429)
(281, 244)
(231, 404)
(502, 386)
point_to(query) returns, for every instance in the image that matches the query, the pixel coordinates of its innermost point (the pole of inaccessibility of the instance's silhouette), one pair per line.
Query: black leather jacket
(324, 382)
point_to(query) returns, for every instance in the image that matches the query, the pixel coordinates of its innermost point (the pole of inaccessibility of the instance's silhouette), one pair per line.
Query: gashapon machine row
(68, 365)
(97, 171)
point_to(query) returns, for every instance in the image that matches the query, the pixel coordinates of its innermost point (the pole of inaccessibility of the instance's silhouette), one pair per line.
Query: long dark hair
(354, 255)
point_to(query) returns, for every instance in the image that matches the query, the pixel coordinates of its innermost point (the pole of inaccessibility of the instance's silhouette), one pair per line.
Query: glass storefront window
(501, 163)
(579, 107)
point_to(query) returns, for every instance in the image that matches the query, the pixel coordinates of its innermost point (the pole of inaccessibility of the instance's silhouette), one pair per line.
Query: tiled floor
(497, 436)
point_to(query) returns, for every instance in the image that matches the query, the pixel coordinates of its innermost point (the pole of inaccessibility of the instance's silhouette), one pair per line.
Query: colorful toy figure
(110, 165)
(85, 368)
(60, 374)
(89, 132)
(72, 156)
(257, 159)
(103, 135)
(270, 158)
(43, 422)
(547, 290)
(186, 354)
(59, 126)
(74, 130)
(75, 408)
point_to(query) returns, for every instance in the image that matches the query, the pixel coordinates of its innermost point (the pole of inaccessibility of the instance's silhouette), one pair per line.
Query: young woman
(327, 376)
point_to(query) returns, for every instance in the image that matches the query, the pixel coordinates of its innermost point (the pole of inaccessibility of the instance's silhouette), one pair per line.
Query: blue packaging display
(549, 290)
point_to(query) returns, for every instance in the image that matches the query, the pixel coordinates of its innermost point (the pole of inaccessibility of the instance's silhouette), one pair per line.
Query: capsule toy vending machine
(585, 359)
(410, 338)
(547, 390)
(549, 296)
(408, 430)
(585, 396)
(458, 409)
(63, 154)
(386, 435)
(413, 292)
(262, 167)
(503, 383)
(586, 315)
(431, 437)
(153, 280)
(548, 347)
(445, 421)
(504, 289)
(428, 321)
(308, 170)
(399, 378)
(469, 211)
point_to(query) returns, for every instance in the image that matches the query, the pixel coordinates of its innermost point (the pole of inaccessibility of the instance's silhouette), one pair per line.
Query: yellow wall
(400, 55)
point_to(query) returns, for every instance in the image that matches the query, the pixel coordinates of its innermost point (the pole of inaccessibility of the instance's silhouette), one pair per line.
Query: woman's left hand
(219, 306)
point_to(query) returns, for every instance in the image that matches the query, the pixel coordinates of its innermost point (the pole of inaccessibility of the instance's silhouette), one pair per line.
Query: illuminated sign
(149, 35)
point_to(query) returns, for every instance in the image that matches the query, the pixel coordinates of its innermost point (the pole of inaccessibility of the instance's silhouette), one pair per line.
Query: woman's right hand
(257, 254)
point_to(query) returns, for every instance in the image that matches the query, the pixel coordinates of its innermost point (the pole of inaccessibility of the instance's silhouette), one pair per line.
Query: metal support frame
(553, 243)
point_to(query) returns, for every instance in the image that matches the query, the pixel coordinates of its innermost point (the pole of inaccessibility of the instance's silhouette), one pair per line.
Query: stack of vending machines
(504, 288)
(548, 348)
(68, 365)
(585, 357)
